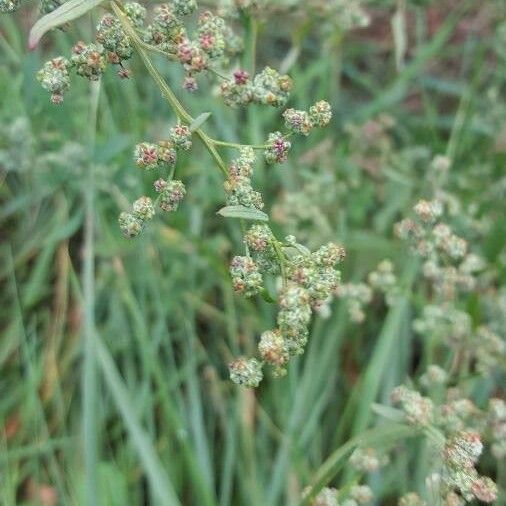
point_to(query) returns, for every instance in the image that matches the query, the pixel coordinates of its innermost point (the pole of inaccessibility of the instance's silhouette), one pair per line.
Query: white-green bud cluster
(320, 114)
(171, 193)
(238, 184)
(184, 7)
(497, 425)
(54, 77)
(149, 156)
(418, 410)
(136, 13)
(146, 156)
(260, 240)
(302, 122)
(132, 223)
(114, 40)
(89, 60)
(460, 455)
(271, 88)
(181, 137)
(315, 272)
(367, 460)
(246, 372)
(443, 323)
(293, 317)
(357, 295)
(433, 377)
(274, 350)
(211, 34)
(267, 88)
(384, 280)
(246, 278)
(8, 6)
(278, 147)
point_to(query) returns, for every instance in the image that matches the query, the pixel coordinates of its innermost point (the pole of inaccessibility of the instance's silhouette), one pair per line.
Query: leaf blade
(243, 213)
(68, 11)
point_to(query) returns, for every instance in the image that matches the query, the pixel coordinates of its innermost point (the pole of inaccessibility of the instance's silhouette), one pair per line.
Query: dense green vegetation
(114, 352)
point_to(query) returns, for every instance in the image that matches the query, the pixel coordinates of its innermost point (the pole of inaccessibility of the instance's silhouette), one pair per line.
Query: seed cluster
(309, 280)
(238, 184)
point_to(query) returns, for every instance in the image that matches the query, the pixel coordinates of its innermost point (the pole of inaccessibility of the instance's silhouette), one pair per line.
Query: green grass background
(114, 353)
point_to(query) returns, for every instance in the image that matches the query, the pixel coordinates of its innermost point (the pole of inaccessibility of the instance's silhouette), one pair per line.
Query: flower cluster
(246, 372)
(302, 122)
(54, 77)
(384, 280)
(90, 60)
(460, 455)
(418, 410)
(246, 278)
(309, 280)
(497, 425)
(447, 263)
(132, 223)
(171, 193)
(353, 496)
(367, 460)
(266, 88)
(277, 148)
(238, 184)
(455, 428)
(113, 39)
(357, 295)
(9, 5)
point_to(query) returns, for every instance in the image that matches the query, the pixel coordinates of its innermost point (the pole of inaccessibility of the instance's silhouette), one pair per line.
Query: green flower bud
(143, 209)
(88, 60)
(167, 153)
(246, 372)
(180, 137)
(136, 13)
(54, 77)
(184, 7)
(112, 37)
(130, 225)
(277, 152)
(8, 6)
(146, 156)
(273, 349)
(171, 194)
(297, 121)
(320, 114)
(246, 278)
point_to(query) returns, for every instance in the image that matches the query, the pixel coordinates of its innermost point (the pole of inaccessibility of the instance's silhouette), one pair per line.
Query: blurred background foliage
(422, 79)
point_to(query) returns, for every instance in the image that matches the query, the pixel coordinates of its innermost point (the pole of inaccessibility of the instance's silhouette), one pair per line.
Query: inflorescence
(307, 280)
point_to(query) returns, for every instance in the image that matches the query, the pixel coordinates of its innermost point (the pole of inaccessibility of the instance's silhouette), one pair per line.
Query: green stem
(165, 90)
(89, 371)
(376, 436)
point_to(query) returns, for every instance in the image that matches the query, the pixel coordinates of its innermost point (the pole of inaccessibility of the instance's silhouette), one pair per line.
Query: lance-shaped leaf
(68, 11)
(244, 213)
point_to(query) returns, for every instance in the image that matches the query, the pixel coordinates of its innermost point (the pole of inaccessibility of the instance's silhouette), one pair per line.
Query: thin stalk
(165, 90)
(89, 381)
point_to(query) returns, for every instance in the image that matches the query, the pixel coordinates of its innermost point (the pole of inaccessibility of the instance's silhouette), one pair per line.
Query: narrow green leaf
(244, 213)
(68, 11)
(199, 121)
(267, 296)
(152, 465)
